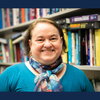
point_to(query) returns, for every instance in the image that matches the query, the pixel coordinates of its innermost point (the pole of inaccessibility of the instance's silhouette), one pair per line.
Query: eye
(40, 40)
(53, 38)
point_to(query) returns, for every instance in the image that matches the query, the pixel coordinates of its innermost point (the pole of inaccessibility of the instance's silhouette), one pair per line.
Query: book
(16, 16)
(85, 18)
(97, 46)
(64, 55)
(83, 47)
(11, 16)
(17, 52)
(37, 12)
(74, 26)
(23, 15)
(27, 14)
(77, 48)
(69, 47)
(1, 23)
(91, 47)
(73, 48)
(11, 50)
(8, 17)
(3, 52)
(32, 13)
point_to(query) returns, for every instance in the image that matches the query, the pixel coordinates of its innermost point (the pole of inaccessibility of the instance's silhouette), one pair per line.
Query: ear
(30, 43)
(62, 40)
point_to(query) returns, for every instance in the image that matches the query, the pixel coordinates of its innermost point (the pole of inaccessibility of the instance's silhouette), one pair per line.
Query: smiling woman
(45, 71)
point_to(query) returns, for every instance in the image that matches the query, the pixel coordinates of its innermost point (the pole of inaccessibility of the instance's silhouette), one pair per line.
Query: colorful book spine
(11, 50)
(86, 45)
(3, 52)
(37, 12)
(1, 23)
(32, 13)
(16, 17)
(73, 48)
(27, 14)
(8, 17)
(69, 47)
(85, 18)
(91, 47)
(11, 16)
(64, 56)
(21, 51)
(77, 62)
(23, 15)
(97, 46)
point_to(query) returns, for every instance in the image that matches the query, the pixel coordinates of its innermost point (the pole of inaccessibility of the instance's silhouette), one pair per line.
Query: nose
(47, 44)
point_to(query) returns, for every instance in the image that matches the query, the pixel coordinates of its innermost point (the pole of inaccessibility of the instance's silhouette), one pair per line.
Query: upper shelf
(23, 26)
(63, 14)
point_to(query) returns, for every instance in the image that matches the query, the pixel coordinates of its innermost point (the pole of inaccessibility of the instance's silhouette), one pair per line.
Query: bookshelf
(93, 72)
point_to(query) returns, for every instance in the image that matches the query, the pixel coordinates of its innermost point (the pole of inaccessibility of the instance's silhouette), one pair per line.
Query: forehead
(44, 28)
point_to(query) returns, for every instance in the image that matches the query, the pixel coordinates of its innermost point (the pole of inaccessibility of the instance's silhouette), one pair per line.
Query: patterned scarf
(47, 80)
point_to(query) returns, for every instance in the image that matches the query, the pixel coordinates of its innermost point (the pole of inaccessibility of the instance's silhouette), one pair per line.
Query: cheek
(35, 48)
(58, 47)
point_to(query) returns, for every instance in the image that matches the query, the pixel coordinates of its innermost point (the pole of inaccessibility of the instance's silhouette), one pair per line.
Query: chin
(48, 61)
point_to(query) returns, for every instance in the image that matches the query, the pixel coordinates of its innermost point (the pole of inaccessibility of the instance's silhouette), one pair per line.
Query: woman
(45, 71)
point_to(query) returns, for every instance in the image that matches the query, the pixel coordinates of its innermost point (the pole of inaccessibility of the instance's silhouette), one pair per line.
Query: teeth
(47, 50)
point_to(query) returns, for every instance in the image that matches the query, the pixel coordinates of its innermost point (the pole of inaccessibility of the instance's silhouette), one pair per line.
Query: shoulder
(72, 68)
(72, 71)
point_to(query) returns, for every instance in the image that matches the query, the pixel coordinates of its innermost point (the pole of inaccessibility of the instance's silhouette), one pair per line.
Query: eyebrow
(50, 35)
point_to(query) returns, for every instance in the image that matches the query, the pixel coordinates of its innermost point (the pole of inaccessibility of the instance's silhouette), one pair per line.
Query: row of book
(78, 19)
(83, 48)
(14, 16)
(10, 52)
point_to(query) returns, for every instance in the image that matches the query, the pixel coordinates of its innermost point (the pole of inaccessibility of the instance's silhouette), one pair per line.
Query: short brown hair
(33, 25)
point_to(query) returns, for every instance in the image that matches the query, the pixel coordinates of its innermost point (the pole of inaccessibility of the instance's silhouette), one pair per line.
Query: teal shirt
(18, 78)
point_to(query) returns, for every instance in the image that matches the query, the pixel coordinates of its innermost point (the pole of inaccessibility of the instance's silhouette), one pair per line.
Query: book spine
(77, 48)
(1, 23)
(73, 48)
(23, 15)
(97, 46)
(32, 13)
(7, 17)
(84, 18)
(69, 47)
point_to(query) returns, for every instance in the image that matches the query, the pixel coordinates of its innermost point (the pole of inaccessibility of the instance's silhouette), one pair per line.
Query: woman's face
(46, 43)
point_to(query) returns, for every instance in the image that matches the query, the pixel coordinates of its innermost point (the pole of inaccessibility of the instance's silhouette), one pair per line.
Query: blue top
(18, 78)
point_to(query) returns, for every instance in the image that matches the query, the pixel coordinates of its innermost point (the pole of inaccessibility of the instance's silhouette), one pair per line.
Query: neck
(52, 66)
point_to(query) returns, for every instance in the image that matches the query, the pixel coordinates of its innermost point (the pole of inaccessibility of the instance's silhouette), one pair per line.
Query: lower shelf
(92, 72)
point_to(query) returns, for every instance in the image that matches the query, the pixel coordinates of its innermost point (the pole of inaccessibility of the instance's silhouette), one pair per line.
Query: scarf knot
(47, 81)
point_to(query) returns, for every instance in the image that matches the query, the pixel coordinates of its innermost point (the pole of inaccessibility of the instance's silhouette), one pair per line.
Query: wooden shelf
(92, 72)
(87, 67)
(7, 64)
